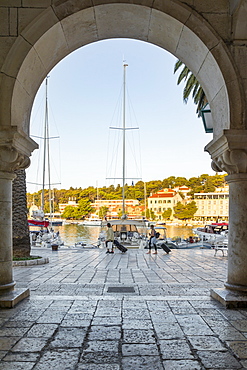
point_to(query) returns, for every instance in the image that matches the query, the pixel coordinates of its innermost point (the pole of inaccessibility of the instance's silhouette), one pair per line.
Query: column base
(230, 298)
(11, 298)
(241, 288)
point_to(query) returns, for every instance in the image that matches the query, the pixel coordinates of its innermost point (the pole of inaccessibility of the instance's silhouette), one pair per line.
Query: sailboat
(44, 236)
(127, 231)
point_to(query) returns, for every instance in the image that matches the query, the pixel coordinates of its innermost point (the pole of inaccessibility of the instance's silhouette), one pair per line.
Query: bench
(221, 245)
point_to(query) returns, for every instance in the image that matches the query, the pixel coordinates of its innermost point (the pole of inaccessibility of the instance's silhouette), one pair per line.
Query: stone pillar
(229, 154)
(15, 149)
(6, 276)
(237, 239)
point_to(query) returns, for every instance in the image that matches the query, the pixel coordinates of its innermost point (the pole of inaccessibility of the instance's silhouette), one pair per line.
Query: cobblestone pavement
(74, 318)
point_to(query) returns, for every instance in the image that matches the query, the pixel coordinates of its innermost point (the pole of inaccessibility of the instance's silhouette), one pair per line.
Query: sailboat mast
(145, 199)
(45, 143)
(124, 129)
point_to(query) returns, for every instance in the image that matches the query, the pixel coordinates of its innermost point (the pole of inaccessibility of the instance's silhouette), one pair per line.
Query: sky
(84, 99)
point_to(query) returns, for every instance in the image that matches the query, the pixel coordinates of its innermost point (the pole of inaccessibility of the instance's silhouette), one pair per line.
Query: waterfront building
(71, 202)
(132, 207)
(183, 190)
(212, 206)
(162, 201)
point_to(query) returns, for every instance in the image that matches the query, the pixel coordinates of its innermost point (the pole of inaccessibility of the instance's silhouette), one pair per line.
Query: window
(169, 201)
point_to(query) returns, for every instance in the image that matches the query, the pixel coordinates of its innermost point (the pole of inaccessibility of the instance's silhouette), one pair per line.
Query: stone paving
(169, 321)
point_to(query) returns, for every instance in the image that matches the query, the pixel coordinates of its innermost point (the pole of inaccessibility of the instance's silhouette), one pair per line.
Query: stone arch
(240, 25)
(64, 27)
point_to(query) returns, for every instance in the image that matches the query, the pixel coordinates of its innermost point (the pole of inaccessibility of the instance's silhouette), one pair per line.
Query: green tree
(150, 214)
(184, 212)
(70, 212)
(192, 86)
(84, 208)
(103, 211)
(167, 214)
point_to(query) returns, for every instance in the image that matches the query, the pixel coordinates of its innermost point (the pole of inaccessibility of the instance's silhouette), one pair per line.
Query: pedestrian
(152, 240)
(109, 238)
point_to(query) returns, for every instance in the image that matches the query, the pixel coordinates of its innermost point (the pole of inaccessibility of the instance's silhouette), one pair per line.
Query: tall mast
(46, 153)
(45, 143)
(124, 129)
(145, 199)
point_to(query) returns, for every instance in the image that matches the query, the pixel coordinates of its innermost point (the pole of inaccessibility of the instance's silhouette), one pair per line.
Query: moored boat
(131, 233)
(212, 232)
(92, 222)
(41, 231)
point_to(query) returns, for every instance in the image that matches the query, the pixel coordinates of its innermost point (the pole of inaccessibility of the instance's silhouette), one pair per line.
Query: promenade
(89, 310)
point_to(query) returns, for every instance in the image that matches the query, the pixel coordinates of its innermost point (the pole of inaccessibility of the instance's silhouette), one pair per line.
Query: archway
(64, 27)
(43, 44)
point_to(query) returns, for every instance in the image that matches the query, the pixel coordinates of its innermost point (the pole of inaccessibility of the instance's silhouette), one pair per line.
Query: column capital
(229, 152)
(15, 149)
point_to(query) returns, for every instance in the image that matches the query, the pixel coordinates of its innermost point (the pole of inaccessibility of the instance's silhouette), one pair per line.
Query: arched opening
(42, 45)
(62, 28)
(92, 77)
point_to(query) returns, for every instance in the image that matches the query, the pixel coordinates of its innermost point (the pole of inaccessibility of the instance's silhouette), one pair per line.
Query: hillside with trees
(202, 183)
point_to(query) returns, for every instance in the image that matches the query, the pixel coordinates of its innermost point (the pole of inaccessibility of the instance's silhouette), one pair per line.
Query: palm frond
(183, 75)
(177, 65)
(195, 90)
(192, 86)
(189, 86)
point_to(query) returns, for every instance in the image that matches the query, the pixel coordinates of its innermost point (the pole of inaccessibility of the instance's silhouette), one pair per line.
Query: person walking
(109, 238)
(152, 240)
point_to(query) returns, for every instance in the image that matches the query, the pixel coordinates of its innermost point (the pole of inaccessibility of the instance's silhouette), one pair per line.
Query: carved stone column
(229, 154)
(15, 150)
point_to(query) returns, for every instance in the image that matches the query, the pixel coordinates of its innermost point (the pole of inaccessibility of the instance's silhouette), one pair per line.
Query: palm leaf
(183, 75)
(177, 65)
(192, 86)
(189, 86)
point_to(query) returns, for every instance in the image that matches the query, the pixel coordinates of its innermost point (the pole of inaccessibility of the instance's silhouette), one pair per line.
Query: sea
(74, 233)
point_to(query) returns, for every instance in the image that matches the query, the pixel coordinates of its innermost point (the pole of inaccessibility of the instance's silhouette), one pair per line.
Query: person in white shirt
(109, 238)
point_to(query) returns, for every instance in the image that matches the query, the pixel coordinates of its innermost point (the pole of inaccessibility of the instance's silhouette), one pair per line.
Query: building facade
(71, 202)
(163, 200)
(212, 206)
(132, 207)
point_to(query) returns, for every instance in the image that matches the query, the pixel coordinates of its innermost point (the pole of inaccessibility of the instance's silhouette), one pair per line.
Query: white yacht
(213, 232)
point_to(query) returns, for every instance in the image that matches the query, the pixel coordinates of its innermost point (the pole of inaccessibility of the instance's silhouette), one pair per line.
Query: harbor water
(73, 233)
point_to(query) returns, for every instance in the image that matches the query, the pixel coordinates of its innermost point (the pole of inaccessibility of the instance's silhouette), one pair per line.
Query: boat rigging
(124, 129)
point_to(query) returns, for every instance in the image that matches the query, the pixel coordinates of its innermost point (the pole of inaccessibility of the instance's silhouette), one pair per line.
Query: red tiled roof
(164, 195)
